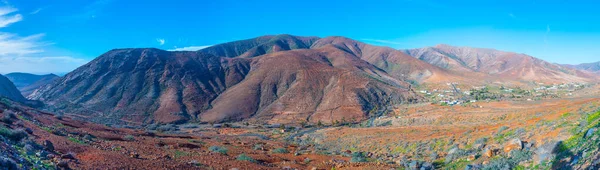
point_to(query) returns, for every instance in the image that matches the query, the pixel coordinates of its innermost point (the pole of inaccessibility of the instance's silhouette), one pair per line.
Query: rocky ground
(548, 134)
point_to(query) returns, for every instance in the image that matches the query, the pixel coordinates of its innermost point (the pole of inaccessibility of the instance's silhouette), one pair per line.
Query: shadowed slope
(27, 83)
(8, 90)
(258, 46)
(144, 85)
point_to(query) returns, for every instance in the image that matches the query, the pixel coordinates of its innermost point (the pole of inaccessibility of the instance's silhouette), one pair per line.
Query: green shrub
(129, 138)
(280, 150)
(8, 117)
(14, 135)
(244, 157)
(592, 117)
(501, 129)
(358, 157)
(258, 147)
(75, 140)
(218, 149)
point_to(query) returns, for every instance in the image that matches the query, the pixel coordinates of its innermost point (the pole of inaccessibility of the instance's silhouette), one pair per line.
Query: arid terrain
(290, 102)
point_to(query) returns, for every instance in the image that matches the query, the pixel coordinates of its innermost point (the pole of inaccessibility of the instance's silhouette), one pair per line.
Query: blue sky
(41, 36)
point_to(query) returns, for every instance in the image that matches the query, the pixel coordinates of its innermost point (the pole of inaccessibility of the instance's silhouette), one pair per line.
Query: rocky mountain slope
(282, 78)
(319, 81)
(498, 65)
(8, 90)
(27, 83)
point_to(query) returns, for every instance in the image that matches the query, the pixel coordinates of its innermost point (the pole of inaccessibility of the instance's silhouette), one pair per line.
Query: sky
(41, 36)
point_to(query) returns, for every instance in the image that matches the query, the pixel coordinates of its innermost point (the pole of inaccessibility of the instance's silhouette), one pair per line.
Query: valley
(291, 102)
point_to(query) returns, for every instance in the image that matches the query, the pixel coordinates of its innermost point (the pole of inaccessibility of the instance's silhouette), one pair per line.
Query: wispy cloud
(36, 11)
(190, 48)
(39, 65)
(90, 11)
(546, 35)
(6, 17)
(160, 41)
(512, 15)
(17, 52)
(11, 44)
(382, 41)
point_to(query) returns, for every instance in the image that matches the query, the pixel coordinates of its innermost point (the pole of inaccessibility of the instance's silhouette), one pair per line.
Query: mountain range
(281, 78)
(494, 65)
(591, 67)
(27, 83)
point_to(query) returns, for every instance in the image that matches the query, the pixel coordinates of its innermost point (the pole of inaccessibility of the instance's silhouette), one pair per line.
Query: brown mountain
(27, 83)
(498, 65)
(8, 90)
(272, 78)
(261, 45)
(591, 67)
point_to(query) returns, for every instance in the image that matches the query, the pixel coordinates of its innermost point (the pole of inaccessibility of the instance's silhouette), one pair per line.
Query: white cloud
(11, 44)
(39, 65)
(190, 48)
(26, 53)
(7, 19)
(160, 41)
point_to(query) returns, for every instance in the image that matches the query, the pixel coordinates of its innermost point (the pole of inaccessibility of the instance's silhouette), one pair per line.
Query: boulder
(64, 164)
(545, 152)
(590, 132)
(48, 145)
(487, 152)
(514, 144)
(67, 156)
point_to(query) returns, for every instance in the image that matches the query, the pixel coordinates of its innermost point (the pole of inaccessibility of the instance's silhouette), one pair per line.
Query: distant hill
(8, 90)
(591, 67)
(498, 65)
(27, 83)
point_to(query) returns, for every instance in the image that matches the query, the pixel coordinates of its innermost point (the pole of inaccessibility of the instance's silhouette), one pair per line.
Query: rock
(545, 152)
(50, 156)
(452, 151)
(473, 167)
(42, 154)
(529, 145)
(471, 158)
(487, 152)
(427, 166)
(48, 145)
(63, 164)
(590, 132)
(134, 155)
(67, 156)
(514, 144)
(414, 165)
(28, 130)
(29, 149)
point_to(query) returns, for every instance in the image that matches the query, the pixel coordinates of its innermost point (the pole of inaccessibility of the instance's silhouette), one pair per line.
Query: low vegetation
(244, 157)
(218, 149)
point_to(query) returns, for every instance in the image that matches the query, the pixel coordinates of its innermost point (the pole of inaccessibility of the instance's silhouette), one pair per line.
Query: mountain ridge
(275, 79)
